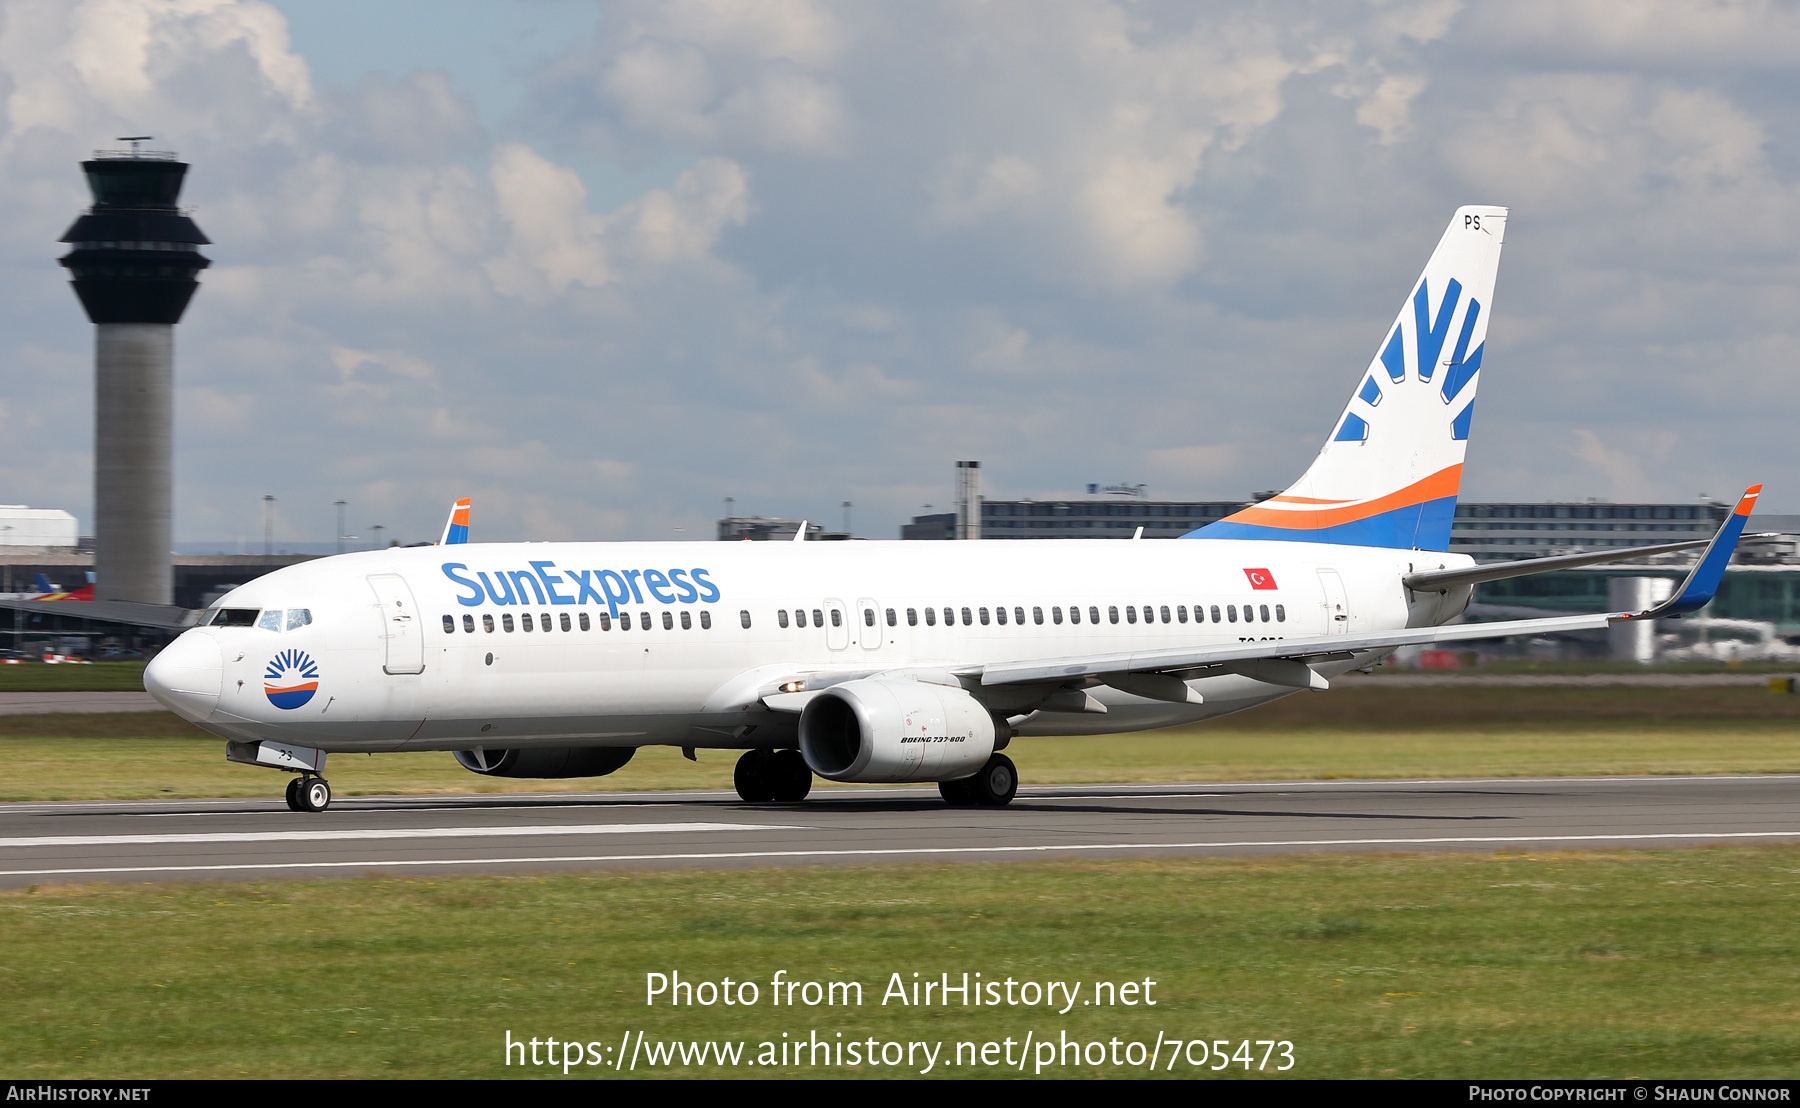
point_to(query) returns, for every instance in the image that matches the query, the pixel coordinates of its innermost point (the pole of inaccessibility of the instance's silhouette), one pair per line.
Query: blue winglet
(456, 528)
(1703, 581)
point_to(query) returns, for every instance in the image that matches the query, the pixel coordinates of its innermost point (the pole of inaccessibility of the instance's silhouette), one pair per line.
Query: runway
(236, 839)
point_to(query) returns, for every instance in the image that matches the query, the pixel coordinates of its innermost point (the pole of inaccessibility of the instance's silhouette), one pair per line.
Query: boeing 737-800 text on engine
(877, 661)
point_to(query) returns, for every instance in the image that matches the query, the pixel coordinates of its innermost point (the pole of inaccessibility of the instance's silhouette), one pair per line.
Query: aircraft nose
(187, 676)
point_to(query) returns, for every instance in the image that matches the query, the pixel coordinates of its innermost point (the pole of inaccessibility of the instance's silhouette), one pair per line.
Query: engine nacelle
(549, 761)
(878, 730)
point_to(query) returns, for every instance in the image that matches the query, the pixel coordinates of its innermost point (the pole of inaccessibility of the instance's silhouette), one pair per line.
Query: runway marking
(369, 803)
(898, 851)
(385, 833)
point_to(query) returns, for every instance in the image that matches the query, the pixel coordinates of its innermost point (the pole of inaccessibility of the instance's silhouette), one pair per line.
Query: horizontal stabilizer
(1439, 579)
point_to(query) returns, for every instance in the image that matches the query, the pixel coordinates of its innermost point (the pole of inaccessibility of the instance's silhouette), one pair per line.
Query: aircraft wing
(1231, 657)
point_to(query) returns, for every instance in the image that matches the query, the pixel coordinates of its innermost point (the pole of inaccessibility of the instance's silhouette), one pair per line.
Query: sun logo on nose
(291, 679)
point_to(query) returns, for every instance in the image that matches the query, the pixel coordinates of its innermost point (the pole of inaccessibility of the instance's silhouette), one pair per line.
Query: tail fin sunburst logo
(291, 679)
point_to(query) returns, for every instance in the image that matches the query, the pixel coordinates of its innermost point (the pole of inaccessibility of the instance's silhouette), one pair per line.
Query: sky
(601, 266)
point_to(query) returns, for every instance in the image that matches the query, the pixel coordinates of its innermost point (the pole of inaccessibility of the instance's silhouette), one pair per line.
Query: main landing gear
(779, 775)
(993, 786)
(306, 793)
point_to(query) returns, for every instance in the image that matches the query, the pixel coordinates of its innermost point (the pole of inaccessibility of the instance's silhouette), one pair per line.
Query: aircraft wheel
(293, 794)
(789, 776)
(315, 795)
(752, 777)
(957, 793)
(997, 783)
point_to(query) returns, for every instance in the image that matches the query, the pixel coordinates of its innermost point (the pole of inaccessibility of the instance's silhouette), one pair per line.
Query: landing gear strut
(309, 794)
(993, 786)
(779, 775)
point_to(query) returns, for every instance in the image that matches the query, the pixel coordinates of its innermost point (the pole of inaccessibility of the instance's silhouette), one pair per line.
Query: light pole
(377, 529)
(339, 504)
(268, 526)
(847, 507)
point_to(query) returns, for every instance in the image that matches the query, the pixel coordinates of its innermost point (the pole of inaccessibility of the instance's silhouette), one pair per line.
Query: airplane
(883, 662)
(48, 590)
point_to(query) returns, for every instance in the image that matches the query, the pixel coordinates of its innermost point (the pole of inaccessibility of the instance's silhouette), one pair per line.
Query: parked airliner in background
(882, 661)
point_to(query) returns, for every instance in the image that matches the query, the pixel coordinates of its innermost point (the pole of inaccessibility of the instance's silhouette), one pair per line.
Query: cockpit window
(271, 620)
(298, 617)
(231, 617)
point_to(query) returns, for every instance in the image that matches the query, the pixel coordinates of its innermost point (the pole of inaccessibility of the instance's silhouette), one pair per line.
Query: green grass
(98, 677)
(1364, 731)
(1674, 964)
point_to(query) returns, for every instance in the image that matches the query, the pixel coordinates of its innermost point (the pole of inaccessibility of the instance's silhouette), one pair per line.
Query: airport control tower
(134, 258)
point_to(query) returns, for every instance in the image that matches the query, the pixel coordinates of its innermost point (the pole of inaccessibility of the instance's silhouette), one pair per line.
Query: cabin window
(1215, 613)
(912, 616)
(1181, 612)
(298, 617)
(624, 621)
(890, 618)
(687, 620)
(487, 623)
(984, 616)
(605, 621)
(819, 618)
(271, 620)
(868, 617)
(469, 624)
(744, 618)
(506, 623)
(1165, 614)
(1000, 616)
(1280, 613)
(837, 618)
(1074, 613)
(1094, 614)
(949, 617)
(968, 622)
(644, 620)
(525, 622)
(449, 625)
(668, 621)
(1055, 616)
(1131, 615)
(1231, 613)
(930, 617)
(1263, 610)
(1019, 616)
(706, 621)
(585, 625)
(781, 619)
(1113, 612)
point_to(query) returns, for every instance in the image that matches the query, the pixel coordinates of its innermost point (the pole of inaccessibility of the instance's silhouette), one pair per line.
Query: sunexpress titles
(545, 583)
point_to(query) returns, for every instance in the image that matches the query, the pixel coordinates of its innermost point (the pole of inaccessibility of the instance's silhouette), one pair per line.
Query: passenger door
(405, 638)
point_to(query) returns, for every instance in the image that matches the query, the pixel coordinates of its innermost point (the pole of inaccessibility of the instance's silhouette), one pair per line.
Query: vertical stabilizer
(1389, 474)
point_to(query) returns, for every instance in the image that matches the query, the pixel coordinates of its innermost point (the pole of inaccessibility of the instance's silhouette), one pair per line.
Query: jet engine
(885, 730)
(549, 761)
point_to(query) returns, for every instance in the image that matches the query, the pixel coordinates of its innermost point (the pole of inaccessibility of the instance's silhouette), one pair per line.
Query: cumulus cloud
(802, 253)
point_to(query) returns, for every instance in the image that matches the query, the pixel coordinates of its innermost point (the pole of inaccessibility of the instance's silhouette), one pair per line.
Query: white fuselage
(396, 667)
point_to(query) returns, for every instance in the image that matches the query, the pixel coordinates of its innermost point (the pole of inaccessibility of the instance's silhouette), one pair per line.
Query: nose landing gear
(308, 794)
